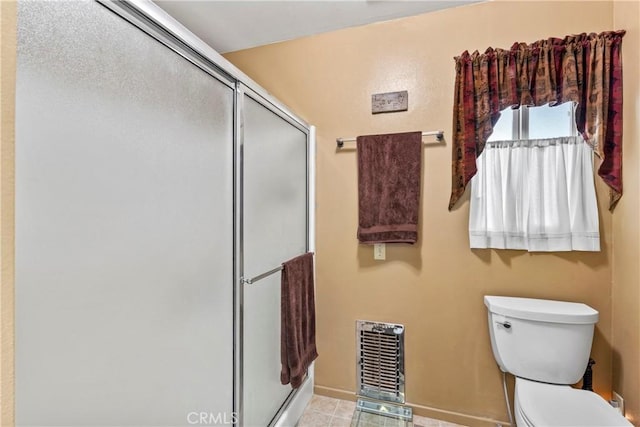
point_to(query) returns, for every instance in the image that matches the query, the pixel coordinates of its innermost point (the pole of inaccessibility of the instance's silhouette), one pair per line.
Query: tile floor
(325, 411)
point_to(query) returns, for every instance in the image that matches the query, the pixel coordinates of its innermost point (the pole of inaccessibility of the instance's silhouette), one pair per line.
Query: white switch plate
(379, 251)
(620, 401)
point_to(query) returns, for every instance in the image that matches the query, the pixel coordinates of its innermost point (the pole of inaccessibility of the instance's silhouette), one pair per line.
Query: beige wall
(626, 225)
(434, 288)
(7, 97)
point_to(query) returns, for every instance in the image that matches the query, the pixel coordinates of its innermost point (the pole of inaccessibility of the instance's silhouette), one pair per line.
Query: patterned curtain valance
(586, 69)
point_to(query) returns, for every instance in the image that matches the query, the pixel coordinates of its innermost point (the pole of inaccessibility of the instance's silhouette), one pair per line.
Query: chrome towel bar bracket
(260, 276)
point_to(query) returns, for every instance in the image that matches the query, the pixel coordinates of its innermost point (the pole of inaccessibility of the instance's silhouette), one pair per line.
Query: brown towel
(297, 319)
(389, 187)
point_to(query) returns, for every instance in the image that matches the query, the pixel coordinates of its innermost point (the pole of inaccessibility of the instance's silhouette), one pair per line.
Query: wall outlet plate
(615, 396)
(379, 251)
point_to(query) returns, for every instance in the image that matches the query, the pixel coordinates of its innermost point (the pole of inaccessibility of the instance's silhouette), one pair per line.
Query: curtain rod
(438, 133)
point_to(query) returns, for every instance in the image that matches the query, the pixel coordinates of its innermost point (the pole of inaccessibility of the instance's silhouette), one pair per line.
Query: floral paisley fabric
(584, 68)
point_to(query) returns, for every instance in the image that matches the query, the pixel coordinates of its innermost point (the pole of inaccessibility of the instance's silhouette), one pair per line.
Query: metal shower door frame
(243, 90)
(155, 22)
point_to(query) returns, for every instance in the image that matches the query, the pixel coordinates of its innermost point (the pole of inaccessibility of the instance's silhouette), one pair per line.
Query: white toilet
(546, 345)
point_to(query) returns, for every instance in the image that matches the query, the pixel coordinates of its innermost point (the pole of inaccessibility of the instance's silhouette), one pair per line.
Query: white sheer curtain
(535, 195)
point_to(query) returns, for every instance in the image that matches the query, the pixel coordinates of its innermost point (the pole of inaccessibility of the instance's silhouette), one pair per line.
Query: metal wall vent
(380, 363)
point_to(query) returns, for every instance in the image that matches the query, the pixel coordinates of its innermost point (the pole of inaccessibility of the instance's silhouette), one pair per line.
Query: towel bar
(260, 276)
(438, 133)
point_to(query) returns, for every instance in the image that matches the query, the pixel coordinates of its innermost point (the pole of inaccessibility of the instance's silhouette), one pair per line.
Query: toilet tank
(541, 340)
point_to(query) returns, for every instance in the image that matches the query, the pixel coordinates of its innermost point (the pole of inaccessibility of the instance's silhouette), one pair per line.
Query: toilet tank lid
(541, 310)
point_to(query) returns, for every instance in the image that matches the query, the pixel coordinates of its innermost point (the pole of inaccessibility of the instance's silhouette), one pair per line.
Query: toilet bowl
(539, 404)
(545, 344)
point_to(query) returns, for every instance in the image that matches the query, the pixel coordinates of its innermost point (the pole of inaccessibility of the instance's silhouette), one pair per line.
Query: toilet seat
(541, 404)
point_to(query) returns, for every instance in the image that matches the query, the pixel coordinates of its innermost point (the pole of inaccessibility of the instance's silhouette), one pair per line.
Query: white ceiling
(228, 26)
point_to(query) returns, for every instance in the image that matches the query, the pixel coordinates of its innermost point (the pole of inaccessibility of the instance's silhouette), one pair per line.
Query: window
(535, 123)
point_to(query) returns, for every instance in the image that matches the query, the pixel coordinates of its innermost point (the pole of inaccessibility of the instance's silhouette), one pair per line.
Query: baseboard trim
(424, 411)
(455, 417)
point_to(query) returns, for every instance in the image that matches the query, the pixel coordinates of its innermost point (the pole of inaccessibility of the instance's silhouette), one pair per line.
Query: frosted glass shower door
(275, 230)
(124, 226)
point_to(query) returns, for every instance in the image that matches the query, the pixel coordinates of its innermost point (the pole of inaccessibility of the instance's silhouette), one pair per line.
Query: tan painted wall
(7, 114)
(626, 224)
(440, 282)
(434, 288)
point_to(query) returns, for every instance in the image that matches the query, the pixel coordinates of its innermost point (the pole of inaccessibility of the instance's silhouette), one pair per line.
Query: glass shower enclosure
(275, 223)
(153, 182)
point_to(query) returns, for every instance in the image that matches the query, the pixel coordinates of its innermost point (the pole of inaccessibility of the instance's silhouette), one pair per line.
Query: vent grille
(380, 360)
